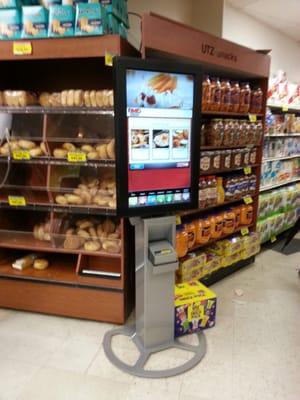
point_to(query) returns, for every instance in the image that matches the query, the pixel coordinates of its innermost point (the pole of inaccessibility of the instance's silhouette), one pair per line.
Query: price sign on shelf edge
(248, 200)
(108, 58)
(247, 170)
(273, 239)
(21, 155)
(252, 117)
(245, 231)
(76, 156)
(17, 201)
(22, 48)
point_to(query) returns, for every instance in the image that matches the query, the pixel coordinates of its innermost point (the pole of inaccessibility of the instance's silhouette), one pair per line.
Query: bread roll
(40, 264)
(72, 242)
(84, 224)
(92, 155)
(108, 226)
(60, 153)
(78, 98)
(87, 148)
(60, 199)
(69, 146)
(43, 148)
(102, 151)
(70, 98)
(111, 246)
(26, 144)
(83, 234)
(99, 98)
(36, 152)
(93, 98)
(86, 97)
(92, 245)
(64, 98)
(110, 148)
(74, 199)
(44, 99)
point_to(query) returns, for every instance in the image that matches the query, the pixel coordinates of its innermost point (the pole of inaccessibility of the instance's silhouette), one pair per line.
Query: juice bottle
(245, 96)
(256, 101)
(220, 191)
(181, 243)
(203, 231)
(215, 94)
(202, 192)
(225, 95)
(235, 97)
(216, 226)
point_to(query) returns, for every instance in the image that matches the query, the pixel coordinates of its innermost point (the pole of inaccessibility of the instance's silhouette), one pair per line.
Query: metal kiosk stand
(156, 262)
(154, 97)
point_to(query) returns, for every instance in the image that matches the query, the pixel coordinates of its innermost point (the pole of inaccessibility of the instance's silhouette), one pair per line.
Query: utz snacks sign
(195, 308)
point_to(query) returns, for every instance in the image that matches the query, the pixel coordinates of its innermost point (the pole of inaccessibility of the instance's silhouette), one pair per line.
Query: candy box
(191, 267)
(35, 22)
(212, 264)
(61, 21)
(195, 308)
(231, 259)
(91, 19)
(10, 24)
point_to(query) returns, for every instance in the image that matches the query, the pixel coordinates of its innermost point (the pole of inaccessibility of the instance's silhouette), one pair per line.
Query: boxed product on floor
(91, 19)
(195, 308)
(227, 247)
(10, 24)
(231, 259)
(213, 263)
(191, 267)
(35, 22)
(61, 21)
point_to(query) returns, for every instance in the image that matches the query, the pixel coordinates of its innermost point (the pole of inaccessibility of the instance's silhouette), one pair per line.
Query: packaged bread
(19, 98)
(24, 262)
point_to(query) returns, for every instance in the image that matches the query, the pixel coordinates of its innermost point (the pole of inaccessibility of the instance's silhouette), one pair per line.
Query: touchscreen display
(159, 119)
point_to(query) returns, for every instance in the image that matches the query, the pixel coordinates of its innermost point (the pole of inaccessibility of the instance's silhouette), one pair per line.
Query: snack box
(231, 259)
(191, 267)
(212, 264)
(91, 19)
(113, 24)
(195, 308)
(35, 22)
(61, 21)
(227, 247)
(49, 3)
(10, 24)
(250, 251)
(113, 7)
(9, 4)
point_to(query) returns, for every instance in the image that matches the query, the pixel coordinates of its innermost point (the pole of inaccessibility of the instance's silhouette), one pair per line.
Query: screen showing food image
(161, 144)
(139, 144)
(159, 112)
(159, 90)
(180, 143)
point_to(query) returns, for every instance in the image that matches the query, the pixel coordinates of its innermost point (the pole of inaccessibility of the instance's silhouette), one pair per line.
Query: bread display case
(60, 239)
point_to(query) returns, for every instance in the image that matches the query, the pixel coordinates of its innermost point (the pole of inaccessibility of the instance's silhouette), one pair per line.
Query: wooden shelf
(56, 110)
(247, 146)
(72, 48)
(60, 161)
(227, 114)
(25, 241)
(202, 210)
(280, 108)
(222, 171)
(282, 135)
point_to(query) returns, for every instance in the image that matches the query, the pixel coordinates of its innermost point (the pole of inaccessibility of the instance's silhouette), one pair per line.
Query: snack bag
(91, 19)
(61, 21)
(10, 24)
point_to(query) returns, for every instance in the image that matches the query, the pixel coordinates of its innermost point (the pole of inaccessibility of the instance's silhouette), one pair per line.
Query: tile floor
(253, 352)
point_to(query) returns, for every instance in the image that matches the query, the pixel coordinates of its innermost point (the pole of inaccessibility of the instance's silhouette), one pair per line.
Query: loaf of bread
(66, 98)
(104, 151)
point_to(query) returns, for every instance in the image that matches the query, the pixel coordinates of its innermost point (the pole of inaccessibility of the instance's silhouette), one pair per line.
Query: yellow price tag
(21, 155)
(109, 59)
(178, 220)
(76, 156)
(22, 48)
(273, 239)
(285, 108)
(16, 201)
(245, 231)
(252, 117)
(247, 170)
(248, 200)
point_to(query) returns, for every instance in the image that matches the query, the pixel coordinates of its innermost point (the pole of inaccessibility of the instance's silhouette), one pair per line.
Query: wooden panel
(75, 47)
(98, 305)
(166, 36)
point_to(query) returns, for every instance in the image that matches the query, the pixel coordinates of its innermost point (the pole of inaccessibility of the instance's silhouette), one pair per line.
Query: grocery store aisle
(253, 352)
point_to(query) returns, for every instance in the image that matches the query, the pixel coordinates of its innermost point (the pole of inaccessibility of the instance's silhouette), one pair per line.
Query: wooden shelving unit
(53, 66)
(163, 37)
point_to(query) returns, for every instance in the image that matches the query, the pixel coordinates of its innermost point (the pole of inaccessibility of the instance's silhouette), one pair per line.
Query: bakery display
(104, 151)
(78, 98)
(92, 234)
(31, 148)
(93, 192)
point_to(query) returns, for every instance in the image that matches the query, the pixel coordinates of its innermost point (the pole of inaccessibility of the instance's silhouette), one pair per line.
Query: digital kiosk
(157, 145)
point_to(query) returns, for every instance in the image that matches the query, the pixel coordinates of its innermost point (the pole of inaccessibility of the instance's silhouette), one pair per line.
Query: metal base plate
(138, 369)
